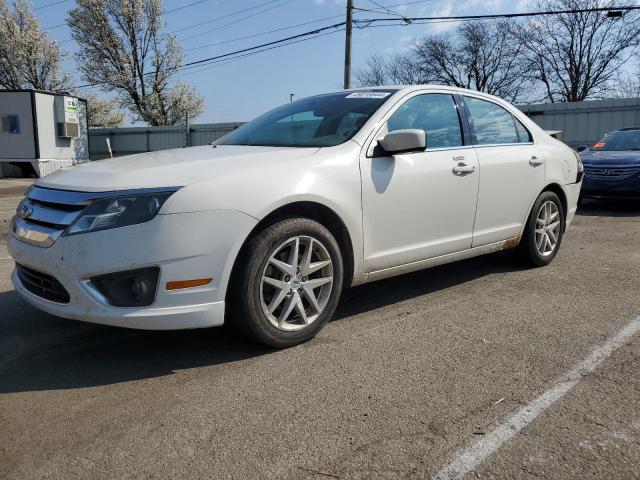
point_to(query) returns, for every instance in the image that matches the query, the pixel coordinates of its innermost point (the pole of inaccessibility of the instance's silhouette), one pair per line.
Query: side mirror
(404, 141)
(581, 148)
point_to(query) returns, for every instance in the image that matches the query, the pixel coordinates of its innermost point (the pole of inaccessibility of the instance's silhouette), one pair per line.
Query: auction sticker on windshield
(368, 95)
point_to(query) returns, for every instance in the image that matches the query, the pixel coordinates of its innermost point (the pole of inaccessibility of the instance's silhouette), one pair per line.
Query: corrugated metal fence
(127, 141)
(583, 123)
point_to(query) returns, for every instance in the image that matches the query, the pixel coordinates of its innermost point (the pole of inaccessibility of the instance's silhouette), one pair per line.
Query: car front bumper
(185, 246)
(620, 188)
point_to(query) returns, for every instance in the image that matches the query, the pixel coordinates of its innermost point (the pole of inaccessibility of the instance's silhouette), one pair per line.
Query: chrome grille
(42, 285)
(612, 173)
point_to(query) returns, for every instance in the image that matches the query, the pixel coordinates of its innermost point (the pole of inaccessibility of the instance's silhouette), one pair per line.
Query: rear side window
(435, 113)
(523, 134)
(492, 123)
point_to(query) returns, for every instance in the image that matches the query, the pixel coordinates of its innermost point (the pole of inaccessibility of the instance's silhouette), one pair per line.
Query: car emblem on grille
(608, 172)
(25, 210)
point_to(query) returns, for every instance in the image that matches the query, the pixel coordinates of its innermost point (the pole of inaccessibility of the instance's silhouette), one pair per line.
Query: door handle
(463, 169)
(535, 161)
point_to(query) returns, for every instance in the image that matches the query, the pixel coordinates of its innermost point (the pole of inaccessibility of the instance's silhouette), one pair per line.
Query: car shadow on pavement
(397, 289)
(609, 207)
(43, 352)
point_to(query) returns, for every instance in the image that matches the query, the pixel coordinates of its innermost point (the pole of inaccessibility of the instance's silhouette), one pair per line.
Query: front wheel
(289, 283)
(543, 231)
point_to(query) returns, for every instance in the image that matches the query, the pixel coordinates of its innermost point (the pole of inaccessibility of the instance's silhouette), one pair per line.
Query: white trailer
(41, 132)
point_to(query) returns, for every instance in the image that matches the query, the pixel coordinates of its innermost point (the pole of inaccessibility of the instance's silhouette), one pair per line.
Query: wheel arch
(314, 211)
(550, 187)
(558, 190)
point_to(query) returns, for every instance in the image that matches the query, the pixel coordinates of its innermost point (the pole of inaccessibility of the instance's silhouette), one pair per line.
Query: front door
(419, 205)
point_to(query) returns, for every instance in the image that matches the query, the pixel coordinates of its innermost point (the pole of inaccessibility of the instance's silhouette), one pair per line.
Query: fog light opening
(132, 288)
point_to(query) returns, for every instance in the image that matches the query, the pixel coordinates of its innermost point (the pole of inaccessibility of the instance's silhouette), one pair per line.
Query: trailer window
(10, 123)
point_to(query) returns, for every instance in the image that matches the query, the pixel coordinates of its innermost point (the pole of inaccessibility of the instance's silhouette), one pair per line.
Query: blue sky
(241, 89)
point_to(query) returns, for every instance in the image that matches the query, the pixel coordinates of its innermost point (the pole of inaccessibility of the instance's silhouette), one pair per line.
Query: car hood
(168, 168)
(611, 158)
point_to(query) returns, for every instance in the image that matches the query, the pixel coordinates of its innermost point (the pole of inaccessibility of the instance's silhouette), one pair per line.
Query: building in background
(41, 132)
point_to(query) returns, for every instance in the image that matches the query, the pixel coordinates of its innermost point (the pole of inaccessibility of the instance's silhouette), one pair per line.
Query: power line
(386, 10)
(184, 6)
(232, 14)
(378, 5)
(501, 15)
(189, 27)
(165, 12)
(365, 24)
(262, 33)
(300, 35)
(285, 2)
(396, 5)
(248, 49)
(239, 57)
(51, 4)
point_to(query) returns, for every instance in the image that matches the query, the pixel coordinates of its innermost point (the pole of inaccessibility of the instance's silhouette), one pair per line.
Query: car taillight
(580, 167)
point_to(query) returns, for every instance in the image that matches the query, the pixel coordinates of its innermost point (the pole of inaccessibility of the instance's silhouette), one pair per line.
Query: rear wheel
(543, 232)
(289, 283)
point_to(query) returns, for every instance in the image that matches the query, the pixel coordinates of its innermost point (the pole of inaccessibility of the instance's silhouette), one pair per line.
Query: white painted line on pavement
(468, 459)
(6, 258)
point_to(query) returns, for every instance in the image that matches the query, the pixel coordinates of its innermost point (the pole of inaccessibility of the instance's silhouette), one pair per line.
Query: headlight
(116, 212)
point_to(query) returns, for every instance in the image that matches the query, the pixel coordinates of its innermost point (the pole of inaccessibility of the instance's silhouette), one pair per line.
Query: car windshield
(321, 121)
(618, 141)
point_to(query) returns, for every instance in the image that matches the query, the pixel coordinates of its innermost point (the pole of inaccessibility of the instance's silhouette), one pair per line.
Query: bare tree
(124, 50)
(103, 112)
(482, 56)
(374, 73)
(28, 57)
(399, 69)
(477, 55)
(577, 55)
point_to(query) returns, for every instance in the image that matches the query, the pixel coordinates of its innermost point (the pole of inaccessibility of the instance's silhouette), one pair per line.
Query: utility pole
(347, 45)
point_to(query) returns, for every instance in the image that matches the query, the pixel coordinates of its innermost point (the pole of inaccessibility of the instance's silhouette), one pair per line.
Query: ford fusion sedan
(612, 166)
(264, 228)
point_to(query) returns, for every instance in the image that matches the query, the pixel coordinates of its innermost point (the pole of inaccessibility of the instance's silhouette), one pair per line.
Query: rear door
(512, 171)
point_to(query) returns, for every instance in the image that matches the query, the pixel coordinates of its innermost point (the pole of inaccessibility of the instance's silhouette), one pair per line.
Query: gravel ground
(411, 370)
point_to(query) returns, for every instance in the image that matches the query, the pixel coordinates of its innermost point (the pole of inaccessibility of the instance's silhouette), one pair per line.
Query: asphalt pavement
(474, 369)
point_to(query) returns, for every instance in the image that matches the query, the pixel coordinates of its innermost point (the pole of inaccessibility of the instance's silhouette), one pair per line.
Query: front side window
(10, 124)
(322, 121)
(619, 141)
(434, 113)
(492, 123)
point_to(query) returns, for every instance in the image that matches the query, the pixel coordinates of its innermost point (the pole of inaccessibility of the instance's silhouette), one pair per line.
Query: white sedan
(265, 227)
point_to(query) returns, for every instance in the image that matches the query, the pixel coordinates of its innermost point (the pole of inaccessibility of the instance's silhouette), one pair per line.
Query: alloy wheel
(547, 228)
(296, 283)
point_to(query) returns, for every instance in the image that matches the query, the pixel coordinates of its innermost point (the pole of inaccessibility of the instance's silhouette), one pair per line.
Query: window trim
(382, 124)
(472, 127)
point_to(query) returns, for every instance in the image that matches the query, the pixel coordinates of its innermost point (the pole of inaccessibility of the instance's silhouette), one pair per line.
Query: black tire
(527, 250)
(246, 302)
